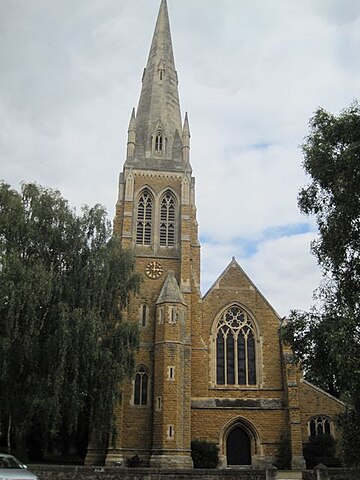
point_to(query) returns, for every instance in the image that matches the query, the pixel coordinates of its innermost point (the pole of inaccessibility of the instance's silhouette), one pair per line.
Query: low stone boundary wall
(331, 474)
(65, 472)
(57, 472)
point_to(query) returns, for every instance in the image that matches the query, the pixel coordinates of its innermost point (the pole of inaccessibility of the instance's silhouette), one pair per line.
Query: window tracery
(235, 348)
(319, 425)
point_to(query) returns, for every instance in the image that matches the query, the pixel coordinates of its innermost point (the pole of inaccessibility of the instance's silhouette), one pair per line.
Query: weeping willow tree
(64, 346)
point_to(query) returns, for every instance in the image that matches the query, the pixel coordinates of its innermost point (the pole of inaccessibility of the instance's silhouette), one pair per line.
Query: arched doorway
(238, 447)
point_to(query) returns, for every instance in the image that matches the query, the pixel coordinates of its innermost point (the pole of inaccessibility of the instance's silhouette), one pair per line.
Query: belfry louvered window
(235, 348)
(141, 386)
(167, 220)
(144, 219)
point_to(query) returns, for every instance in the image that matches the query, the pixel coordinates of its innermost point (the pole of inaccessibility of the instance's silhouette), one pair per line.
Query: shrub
(134, 461)
(204, 454)
(321, 449)
(283, 457)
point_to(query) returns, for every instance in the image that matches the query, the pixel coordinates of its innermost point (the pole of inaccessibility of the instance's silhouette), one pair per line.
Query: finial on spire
(186, 139)
(131, 143)
(132, 123)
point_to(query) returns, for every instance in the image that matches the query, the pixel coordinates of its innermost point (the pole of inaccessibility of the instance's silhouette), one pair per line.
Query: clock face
(154, 269)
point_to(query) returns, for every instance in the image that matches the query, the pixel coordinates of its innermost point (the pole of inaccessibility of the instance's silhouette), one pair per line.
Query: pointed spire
(170, 292)
(159, 99)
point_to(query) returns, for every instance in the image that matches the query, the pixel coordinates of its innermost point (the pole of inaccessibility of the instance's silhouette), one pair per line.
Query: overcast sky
(251, 74)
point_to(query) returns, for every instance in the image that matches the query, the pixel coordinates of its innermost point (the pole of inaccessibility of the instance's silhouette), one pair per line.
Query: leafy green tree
(64, 346)
(327, 339)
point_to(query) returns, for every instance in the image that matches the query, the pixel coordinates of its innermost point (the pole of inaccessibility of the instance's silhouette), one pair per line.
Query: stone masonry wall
(56, 472)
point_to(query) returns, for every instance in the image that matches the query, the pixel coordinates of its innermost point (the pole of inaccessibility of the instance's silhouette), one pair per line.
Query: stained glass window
(235, 348)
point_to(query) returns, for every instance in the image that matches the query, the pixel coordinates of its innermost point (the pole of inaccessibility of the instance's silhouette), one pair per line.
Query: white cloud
(285, 272)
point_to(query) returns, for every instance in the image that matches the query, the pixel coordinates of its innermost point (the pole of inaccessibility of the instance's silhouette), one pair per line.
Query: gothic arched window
(235, 348)
(141, 386)
(159, 142)
(144, 219)
(167, 220)
(319, 426)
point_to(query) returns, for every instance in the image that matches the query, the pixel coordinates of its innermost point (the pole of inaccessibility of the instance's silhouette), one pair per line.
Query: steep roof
(234, 264)
(159, 105)
(170, 292)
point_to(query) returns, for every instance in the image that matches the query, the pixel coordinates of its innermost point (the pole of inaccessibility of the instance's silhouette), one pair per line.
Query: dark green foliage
(283, 457)
(64, 348)
(321, 450)
(327, 339)
(349, 443)
(204, 454)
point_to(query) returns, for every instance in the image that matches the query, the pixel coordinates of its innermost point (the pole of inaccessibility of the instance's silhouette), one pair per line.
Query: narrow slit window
(170, 431)
(171, 373)
(173, 315)
(158, 404)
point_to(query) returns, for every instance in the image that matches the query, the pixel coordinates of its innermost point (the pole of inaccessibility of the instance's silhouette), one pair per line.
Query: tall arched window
(319, 426)
(167, 220)
(144, 219)
(159, 142)
(235, 348)
(141, 386)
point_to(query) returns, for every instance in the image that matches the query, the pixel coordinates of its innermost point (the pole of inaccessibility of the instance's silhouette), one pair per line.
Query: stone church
(209, 367)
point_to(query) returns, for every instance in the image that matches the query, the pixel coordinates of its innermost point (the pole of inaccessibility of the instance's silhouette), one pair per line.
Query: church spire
(158, 117)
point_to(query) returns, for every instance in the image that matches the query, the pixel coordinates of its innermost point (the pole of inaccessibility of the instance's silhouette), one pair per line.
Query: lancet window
(159, 142)
(144, 315)
(167, 220)
(141, 386)
(144, 219)
(235, 348)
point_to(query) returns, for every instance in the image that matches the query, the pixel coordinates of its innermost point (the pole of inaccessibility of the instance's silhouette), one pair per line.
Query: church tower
(210, 368)
(156, 217)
